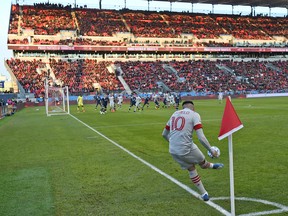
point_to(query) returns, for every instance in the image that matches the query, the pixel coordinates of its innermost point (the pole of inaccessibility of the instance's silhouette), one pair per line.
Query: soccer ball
(216, 149)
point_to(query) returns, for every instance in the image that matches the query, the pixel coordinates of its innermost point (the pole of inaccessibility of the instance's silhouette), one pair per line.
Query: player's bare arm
(203, 140)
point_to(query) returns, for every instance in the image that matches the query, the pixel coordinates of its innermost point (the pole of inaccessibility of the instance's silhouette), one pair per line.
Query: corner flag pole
(230, 124)
(231, 173)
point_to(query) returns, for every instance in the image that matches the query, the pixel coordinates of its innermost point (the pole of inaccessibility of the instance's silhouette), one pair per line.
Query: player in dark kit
(104, 103)
(156, 101)
(165, 103)
(146, 102)
(98, 100)
(132, 102)
(177, 101)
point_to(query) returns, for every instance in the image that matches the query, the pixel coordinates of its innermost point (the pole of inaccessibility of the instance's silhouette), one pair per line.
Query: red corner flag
(230, 121)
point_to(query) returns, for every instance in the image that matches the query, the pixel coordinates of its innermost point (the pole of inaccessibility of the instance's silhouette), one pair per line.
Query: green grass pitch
(59, 166)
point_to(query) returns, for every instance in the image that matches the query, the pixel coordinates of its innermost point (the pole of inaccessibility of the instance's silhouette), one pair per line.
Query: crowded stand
(99, 23)
(143, 76)
(14, 19)
(50, 19)
(201, 26)
(201, 76)
(242, 27)
(148, 25)
(47, 21)
(271, 25)
(261, 76)
(205, 76)
(80, 75)
(29, 74)
(17, 41)
(51, 31)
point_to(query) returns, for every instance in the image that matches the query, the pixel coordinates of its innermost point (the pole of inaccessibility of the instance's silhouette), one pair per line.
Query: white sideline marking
(281, 209)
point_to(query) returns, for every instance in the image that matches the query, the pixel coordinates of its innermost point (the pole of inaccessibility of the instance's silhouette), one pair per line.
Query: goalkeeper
(178, 132)
(80, 103)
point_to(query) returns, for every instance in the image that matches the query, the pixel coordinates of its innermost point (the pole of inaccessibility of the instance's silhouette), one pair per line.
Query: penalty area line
(185, 187)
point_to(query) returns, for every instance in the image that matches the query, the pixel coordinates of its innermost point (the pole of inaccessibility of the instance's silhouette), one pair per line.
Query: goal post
(56, 100)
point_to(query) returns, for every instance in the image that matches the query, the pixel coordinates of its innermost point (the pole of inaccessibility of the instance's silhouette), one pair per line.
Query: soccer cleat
(205, 196)
(218, 166)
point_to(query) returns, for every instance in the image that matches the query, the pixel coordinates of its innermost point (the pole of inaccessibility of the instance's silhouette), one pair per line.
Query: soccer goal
(56, 100)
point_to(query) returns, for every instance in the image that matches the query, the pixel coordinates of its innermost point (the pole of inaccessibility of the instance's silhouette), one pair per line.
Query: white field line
(185, 187)
(281, 209)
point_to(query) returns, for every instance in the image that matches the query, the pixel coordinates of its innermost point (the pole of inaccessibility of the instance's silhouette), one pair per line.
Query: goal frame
(62, 106)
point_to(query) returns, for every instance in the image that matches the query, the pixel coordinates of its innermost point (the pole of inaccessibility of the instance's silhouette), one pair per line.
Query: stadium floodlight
(56, 100)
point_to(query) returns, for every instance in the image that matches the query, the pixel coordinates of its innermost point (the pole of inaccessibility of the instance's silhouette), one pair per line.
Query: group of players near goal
(137, 103)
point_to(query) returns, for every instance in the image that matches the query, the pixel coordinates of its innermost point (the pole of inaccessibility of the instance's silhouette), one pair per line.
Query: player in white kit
(120, 101)
(178, 132)
(220, 97)
(171, 99)
(111, 102)
(138, 102)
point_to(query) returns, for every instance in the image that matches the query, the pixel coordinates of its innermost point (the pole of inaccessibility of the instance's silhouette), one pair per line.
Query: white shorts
(195, 156)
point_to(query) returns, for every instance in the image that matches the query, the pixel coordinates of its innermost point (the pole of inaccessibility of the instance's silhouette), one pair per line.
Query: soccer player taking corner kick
(178, 132)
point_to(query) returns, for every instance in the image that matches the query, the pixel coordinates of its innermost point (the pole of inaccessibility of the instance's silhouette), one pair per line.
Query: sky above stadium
(119, 4)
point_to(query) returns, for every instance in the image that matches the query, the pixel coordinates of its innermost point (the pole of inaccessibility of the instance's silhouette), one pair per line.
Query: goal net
(57, 100)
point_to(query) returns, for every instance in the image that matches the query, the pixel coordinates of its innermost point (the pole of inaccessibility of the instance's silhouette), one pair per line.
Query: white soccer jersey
(120, 99)
(220, 96)
(181, 126)
(171, 99)
(138, 100)
(111, 101)
(167, 97)
(155, 97)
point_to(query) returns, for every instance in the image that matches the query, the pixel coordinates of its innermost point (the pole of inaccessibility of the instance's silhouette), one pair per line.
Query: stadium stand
(81, 47)
(46, 21)
(51, 20)
(99, 23)
(202, 76)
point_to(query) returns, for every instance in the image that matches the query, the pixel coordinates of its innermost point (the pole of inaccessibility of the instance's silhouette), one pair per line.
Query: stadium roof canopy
(252, 3)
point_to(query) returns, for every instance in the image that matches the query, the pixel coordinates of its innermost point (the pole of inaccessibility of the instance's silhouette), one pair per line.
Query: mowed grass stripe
(26, 192)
